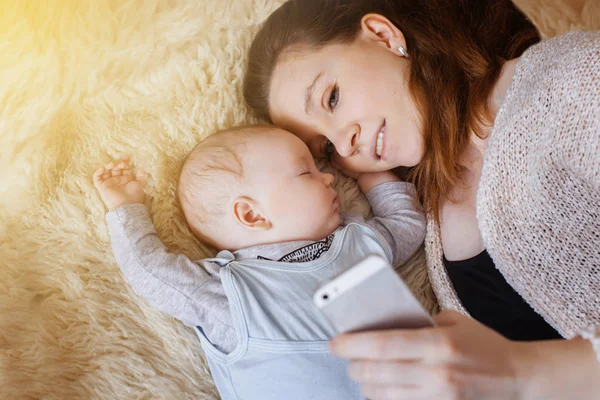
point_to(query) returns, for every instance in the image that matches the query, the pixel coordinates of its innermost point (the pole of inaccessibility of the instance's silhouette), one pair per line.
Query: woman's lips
(382, 131)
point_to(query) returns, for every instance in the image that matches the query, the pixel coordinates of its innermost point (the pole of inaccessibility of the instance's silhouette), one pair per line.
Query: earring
(403, 51)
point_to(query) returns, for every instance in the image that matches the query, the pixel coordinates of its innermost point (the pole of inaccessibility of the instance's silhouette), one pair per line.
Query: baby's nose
(329, 179)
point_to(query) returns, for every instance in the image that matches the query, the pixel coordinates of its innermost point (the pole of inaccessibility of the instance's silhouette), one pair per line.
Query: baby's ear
(247, 213)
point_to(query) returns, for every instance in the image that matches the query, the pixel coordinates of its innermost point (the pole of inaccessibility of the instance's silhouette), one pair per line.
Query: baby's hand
(368, 180)
(117, 184)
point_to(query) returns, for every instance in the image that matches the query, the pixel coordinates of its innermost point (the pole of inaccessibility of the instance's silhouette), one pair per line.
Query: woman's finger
(379, 392)
(390, 373)
(427, 378)
(400, 345)
(449, 317)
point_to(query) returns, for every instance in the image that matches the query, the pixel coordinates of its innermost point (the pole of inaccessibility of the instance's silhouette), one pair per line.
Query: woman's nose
(348, 140)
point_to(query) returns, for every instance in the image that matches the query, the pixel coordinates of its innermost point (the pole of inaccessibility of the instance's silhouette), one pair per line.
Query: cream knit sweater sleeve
(565, 152)
(579, 141)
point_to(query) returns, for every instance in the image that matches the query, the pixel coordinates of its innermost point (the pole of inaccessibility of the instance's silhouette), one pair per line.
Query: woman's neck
(474, 153)
(501, 87)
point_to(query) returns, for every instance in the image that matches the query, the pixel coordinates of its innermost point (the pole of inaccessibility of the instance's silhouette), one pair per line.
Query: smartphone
(370, 296)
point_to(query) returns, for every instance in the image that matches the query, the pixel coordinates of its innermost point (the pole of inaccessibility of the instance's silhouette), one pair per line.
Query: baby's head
(256, 185)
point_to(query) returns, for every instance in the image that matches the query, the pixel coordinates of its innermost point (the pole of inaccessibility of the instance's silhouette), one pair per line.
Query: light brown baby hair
(210, 176)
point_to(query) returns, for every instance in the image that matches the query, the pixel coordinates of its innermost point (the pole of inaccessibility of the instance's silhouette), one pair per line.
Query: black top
(489, 299)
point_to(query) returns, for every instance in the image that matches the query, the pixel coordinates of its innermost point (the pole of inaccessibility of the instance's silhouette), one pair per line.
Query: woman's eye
(329, 149)
(334, 98)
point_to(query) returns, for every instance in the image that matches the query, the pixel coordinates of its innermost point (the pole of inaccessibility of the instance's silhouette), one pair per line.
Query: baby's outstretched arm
(395, 215)
(189, 291)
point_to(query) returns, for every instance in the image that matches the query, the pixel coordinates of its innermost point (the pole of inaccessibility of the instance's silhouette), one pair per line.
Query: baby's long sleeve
(396, 219)
(187, 290)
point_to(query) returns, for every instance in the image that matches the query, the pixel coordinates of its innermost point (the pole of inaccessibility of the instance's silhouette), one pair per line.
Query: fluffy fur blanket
(83, 81)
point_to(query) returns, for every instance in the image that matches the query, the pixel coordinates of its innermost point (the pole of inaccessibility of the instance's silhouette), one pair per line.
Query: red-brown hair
(456, 47)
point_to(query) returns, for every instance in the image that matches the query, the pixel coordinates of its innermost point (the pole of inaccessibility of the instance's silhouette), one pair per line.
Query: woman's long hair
(457, 49)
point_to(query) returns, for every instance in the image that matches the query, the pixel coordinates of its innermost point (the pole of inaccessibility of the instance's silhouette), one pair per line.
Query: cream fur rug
(83, 81)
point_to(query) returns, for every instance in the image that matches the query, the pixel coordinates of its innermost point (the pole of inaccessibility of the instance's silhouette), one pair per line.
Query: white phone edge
(348, 279)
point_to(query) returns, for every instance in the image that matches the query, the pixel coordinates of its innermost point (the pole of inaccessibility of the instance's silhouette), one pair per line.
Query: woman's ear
(377, 28)
(248, 214)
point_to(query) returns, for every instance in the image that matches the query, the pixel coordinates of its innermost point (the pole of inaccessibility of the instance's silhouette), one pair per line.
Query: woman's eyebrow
(309, 93)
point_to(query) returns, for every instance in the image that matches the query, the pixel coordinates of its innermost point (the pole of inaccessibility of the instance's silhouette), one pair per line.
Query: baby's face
(297, 198)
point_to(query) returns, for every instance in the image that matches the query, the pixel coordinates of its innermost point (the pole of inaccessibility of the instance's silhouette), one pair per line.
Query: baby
(256, 194)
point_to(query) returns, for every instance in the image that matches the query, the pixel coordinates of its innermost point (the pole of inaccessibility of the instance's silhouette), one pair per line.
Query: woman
(504, 155)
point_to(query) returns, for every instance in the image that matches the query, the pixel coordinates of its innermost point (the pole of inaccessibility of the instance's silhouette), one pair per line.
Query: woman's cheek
(345, 165)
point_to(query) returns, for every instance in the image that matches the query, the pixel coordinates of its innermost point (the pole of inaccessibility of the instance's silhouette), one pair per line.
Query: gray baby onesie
(192, 291)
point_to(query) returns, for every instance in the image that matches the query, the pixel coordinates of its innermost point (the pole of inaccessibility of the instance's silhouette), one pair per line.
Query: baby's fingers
(141, 176)
(123, 164)
(98, 174)
(116, 168)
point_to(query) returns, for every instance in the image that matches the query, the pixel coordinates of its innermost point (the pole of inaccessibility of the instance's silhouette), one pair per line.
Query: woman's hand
(463, 359)
(458, 359)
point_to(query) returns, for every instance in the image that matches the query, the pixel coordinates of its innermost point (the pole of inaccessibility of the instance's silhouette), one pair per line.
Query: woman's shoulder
(570, 52)
(551, 113)
(554, 81)
(569, 43)
(561, 90)
(572, 38)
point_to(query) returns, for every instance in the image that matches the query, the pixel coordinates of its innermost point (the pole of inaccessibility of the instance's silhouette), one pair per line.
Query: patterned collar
(306, 253)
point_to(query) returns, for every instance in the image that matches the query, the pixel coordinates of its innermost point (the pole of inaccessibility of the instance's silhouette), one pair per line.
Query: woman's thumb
(448, 317)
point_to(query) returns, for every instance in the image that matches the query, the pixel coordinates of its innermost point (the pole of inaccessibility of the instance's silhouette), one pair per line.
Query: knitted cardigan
(538, 202)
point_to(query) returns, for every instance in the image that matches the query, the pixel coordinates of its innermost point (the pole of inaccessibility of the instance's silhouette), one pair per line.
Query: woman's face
(351, 101)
